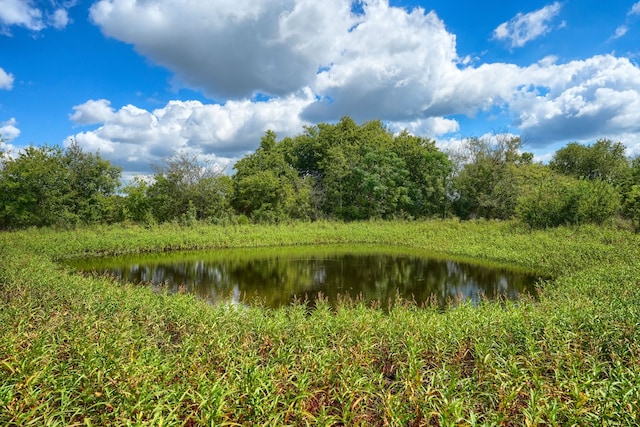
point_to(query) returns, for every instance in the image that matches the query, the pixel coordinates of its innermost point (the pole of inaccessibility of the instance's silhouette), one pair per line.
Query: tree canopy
(604, 160)
(44, 186)
(338, 171)
(342, 171)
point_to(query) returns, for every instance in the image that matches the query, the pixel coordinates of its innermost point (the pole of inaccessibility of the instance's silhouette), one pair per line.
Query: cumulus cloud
(523, 28)
(580, 100)
(432, 126)
(22, 13)
(635, 9)
(403, 66)
(60, 18)
(320, 61)
(385, 62)
(92, 112)
(6, 80)
(25, 13)
(9, 130)
(231, 49)
(135, 138)
(393, 65)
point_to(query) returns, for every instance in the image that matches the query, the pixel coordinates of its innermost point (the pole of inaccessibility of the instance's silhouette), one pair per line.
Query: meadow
(81, 350)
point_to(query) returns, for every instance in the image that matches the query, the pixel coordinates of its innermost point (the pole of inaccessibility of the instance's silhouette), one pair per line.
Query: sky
(141, 80)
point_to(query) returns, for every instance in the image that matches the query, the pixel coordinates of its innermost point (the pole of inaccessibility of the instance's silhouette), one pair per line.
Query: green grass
(80, 350)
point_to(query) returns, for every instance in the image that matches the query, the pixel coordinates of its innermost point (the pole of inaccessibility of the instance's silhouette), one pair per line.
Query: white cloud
(22, 13)
(8, 129)
(432, 126)
(135, 138)
(623, 29)
(60, 19)
(387, 63)
(92, 112)
(523, 28)
(232, 48)
(579, 100)
(26, 13)
(620, 31)
(393, 65)
(6, 80)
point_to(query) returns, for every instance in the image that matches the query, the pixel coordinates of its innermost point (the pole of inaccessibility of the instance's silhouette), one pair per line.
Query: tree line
(342, 171)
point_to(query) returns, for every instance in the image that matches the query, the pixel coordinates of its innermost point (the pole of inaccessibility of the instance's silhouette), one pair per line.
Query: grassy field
(80, 350)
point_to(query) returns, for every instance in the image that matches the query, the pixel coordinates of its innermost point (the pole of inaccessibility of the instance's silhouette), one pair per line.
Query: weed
(83, 350)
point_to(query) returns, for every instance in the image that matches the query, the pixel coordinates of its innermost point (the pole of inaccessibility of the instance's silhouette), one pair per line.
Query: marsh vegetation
(90, 351)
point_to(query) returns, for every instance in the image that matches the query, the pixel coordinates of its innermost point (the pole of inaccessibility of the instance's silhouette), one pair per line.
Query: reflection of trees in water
(277, 280)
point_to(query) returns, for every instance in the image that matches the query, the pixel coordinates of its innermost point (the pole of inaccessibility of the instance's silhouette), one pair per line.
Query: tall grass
(80, 350)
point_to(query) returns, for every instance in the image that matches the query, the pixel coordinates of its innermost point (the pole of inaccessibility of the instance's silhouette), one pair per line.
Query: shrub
(566, 201)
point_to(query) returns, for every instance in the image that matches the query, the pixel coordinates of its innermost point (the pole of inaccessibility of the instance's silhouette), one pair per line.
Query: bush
(567, 201)
(632, 206)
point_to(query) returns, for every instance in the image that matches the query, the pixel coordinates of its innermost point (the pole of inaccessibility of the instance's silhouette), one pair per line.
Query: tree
(428, 173)
(92, 182)
(604, 160)
(267, 188)
(631, 207)
(364, 171)
(631, 195)
(137, 205)
(34, 187)
(561, 200)
(366, 184)
(486, 185)
(44, 186)
(184, 184)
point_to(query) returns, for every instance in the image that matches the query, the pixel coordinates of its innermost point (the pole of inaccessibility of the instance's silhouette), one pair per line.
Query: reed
(78, 350)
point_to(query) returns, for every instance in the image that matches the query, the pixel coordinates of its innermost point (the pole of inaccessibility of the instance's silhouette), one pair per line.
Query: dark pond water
(276, 277)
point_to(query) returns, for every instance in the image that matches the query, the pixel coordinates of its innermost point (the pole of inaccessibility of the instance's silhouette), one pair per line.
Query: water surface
(276, 277)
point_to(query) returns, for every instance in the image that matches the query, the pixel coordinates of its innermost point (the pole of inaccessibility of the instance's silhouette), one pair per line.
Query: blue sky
(141, 80)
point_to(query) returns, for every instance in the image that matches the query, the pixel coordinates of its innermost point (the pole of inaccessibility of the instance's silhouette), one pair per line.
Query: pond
(274, 277)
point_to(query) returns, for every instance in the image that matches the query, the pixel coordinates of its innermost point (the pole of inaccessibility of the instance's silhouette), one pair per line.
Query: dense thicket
(44, 186)
(342, 171)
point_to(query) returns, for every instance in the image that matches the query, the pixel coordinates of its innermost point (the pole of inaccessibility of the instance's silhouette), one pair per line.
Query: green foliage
(428, 174)
(113, 209)
(487, 184)
(45, 186)
(190, 216)
(215, 198)
(79, 350)
(632, 206)
(182, 183)
(561, 200)
(348, 172)
(546, 205)
(342, 171)
(598, 201)
(267, 188)
(137, 204)
(629, 192)
(604, 160)
(373, 187)
(34, 188)
(92, 180)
